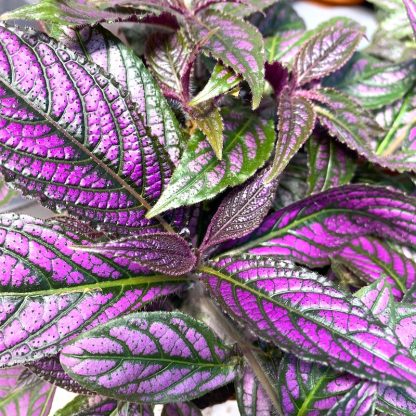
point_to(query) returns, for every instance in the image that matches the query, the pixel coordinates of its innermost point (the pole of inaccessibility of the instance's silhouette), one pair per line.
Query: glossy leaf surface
(248, 142)
(312, 230)
(330, 164)
(305, 314)
(150, 357)
(296, 122)
(103, 167)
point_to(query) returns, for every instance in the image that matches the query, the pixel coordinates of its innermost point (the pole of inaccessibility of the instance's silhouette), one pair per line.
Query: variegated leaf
(181, 409)
(89, 406)
(327, 51)
(150, 357)
(394, 401)
(248, 142)
(101, 47)
(296, 122)
(330, 164)
(304, 313)
(411, 14)
(102, 166)
(51, 292)
(236, 44)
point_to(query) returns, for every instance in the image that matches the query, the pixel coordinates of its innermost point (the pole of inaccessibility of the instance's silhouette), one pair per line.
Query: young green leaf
(241, 211)
(104, 49)
(236, 44)
(330, 164)
(22, 393)
(305, 314)
(89, 406)
(327, 51)
(212, 126)
(248, 142)
(101, 165)
(150, 357)
(222, 81)
(296, 122)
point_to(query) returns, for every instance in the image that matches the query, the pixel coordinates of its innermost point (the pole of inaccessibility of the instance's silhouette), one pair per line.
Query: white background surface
(313, 15)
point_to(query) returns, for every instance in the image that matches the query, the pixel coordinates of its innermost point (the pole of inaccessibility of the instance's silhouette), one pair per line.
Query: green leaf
(212, 126)
(6, 194)
(330, 164)
(236, 44)
(222, 81)
(296, 122)
(89, 406)
(248, 142)
(150, 357)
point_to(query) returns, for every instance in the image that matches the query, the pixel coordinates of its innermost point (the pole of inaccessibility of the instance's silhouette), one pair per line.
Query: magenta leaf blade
(102, 167)
(305, 314)
(150, 357)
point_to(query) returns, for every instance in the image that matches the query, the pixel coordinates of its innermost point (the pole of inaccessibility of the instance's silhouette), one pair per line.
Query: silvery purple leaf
(102, 48)
(312, 230)
(349, 123)
(327, 51)
(50, 370)
(296, 122)
(359, 401)
(236, 44)
(411, 13)
(371, 258)
(51, 292)
(252, 399)
(241, 211)
(161, 252)
(245, 7)
(248, 142)
(102, 167)
(167, 57)
(89, 406)
(410, 295)
(22, 393)
(330, 164)
(181, 409)
(396, 401)
(150, 357)
(374, 83)
(134, 409)
(305, 314)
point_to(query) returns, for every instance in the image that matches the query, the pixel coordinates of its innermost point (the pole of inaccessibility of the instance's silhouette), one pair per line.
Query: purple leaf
(134, 409)
(50, 291)
(181, 409)
(161, 252)
(90, 406)
(411, 13)
(359, 401)
(236, 44)
(50, 370)
(327, 51)
(395, 401)
(241, 211)
(330, 164)
(22, 393)
(277, 76)
(296, 122)
(103, 167)
(150, 357)
(312, 230)
(251, 397)
(349, 123)
(102, 48)
(305, 314)
(370, 259)
(248, 142)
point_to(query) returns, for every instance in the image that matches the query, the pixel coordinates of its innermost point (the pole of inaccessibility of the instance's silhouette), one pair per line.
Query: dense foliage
(231, 209)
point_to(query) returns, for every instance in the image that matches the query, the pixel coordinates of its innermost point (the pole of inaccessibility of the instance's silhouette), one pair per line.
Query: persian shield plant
(231, 210)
